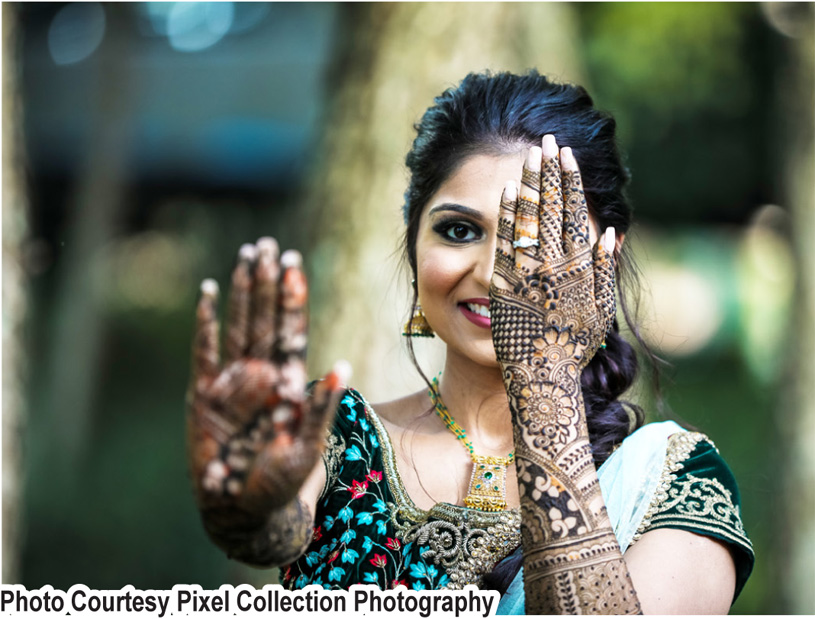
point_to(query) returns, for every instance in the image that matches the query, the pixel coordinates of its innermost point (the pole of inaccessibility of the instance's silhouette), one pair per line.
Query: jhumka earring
(417, 325)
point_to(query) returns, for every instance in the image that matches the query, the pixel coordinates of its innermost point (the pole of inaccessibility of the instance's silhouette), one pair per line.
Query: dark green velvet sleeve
(698, 493)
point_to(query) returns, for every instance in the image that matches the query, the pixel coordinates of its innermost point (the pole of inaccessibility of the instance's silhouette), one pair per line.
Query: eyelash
(444, 228)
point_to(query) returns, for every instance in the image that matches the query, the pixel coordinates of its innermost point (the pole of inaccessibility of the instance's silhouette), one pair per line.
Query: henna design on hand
(254, 435)
(551, 307)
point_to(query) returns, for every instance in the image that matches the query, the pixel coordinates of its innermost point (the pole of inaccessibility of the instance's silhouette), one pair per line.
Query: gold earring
(417, 325)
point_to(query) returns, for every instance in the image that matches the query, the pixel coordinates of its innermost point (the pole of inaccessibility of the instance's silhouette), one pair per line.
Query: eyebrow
(457, 208)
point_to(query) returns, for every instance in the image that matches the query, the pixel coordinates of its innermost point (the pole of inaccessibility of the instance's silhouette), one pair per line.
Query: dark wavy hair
(497, 114)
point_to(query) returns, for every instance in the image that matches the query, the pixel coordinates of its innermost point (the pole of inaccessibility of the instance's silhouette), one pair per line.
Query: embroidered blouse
(368, 530)
(697, 492)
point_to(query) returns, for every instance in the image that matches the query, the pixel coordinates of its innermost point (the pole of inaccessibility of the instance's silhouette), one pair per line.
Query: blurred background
(143, 143)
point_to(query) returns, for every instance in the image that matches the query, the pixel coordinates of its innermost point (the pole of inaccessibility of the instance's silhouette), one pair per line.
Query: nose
(486, 263)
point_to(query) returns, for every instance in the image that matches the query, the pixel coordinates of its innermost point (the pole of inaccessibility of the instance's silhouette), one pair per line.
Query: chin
(477, 350)
(483, 355)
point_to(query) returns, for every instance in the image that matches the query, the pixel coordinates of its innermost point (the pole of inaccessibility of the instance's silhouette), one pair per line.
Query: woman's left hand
(552, 294)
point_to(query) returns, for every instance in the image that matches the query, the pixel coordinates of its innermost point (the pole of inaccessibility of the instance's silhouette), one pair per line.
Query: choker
(488, 482)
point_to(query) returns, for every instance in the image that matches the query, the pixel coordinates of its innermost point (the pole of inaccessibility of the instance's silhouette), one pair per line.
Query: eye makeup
(452, 227)
(455, 230)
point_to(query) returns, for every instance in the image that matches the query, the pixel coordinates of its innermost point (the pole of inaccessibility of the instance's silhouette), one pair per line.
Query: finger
(240, 299)
(264, 299)
(504, 251)
(527, 227)
(575, 212)
(324, 400)
(292, 327)
(205, 353)
(604, 280)
(551, 210)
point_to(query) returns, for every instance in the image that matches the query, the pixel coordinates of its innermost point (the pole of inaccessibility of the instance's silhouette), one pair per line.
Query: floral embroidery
(393, 544)
(358, 489)
(368, 531)
(355, 539)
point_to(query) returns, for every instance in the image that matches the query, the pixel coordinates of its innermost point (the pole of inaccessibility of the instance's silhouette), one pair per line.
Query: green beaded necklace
(488, 491)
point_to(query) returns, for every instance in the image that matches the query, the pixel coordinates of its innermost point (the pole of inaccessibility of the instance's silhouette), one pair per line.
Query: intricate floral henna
(551, 307)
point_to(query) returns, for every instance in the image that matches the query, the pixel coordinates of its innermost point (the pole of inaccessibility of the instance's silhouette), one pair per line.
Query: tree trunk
(15, 301)
(396, 57)
(77, 322)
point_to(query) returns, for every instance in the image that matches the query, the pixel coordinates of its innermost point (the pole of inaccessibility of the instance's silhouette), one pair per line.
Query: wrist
(276, 538)
(566, 480)
(546, 402)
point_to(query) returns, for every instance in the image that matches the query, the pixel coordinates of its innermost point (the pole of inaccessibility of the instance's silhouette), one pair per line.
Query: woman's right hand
(254, 434)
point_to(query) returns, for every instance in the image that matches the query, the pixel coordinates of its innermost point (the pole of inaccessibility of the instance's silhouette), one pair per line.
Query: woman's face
(455, 250)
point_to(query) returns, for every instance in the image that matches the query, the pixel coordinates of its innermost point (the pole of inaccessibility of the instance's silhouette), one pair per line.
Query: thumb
(323, 402)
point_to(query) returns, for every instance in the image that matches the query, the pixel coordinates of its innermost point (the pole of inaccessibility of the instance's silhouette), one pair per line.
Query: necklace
(488, 490)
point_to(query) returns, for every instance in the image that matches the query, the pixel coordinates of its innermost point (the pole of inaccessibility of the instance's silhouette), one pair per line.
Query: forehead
(479, 181)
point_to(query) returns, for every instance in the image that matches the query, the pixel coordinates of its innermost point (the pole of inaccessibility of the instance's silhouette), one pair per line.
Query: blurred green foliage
(689, 87)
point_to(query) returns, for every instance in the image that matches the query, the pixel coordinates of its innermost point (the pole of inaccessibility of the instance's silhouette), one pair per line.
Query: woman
(515, 225)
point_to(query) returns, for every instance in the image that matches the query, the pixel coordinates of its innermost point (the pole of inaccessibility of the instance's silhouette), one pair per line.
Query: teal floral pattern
(355, 540)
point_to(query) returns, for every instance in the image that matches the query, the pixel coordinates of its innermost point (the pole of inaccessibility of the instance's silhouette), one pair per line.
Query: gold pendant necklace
(488, 483)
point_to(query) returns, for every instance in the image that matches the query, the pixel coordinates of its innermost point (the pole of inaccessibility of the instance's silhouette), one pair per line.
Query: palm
(254, 434)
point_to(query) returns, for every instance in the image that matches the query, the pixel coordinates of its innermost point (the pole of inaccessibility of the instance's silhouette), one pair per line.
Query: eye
(458, 231)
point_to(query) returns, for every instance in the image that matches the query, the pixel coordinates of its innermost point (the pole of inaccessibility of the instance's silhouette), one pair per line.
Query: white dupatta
(628, 481)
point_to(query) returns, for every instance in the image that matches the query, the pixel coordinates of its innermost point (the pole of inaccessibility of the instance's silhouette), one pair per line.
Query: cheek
(437, 273)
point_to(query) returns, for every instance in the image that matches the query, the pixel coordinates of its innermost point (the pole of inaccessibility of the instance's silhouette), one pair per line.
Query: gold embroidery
(705, 504)
(467, 542)
(332, 458)
(680, 445)
(700, 503)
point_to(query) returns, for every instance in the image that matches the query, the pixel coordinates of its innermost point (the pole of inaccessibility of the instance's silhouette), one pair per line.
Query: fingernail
(248, 252)
(567, 159)
(209, 287)
(291, 258)
(343, 371)
(533, 158)
(549, 146)
(339, 375)
(610, 240)
(510, 191)
(267, 248)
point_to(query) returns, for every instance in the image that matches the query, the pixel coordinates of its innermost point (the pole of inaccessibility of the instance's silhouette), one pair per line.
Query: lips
(476, 311)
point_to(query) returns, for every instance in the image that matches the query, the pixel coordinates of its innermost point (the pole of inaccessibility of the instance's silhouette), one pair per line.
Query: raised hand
(552, 304)
(548, 281)
(254, 435)
(551, 297)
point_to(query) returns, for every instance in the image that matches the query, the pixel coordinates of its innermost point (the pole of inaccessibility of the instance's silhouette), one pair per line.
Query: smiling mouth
(477, 313)
(477, 308)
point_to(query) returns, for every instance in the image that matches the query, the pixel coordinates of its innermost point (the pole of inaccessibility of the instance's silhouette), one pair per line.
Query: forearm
(572, 560)
(263, 541)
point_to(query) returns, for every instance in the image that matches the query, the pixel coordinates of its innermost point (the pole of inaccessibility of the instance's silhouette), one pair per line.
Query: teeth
(481, 310)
